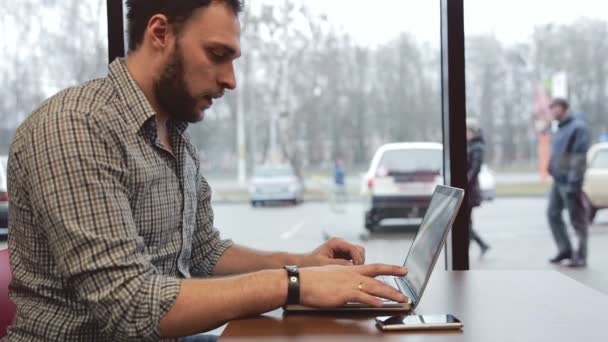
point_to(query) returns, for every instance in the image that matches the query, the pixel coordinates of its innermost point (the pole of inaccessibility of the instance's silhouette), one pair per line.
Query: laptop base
(351, 307)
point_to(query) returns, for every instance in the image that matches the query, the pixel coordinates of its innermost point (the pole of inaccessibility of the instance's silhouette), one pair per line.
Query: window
(46, 46)
(520, 55)
(321, 92)
(600, 161)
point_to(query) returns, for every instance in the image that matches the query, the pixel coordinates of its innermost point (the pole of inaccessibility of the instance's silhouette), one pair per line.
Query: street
(515, 228)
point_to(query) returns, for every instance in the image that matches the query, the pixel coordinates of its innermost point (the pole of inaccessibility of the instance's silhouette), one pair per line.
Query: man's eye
(219, 53)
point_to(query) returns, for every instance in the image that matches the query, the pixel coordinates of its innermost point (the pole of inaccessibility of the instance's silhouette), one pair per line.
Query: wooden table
(493, 305)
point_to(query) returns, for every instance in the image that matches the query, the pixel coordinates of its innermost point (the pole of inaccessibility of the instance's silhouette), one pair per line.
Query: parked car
(402, 178)
(400, 181)
(274, 183)
(3, 197)
(596, 179)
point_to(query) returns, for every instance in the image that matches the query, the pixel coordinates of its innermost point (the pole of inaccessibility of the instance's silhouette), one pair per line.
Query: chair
(7, 313)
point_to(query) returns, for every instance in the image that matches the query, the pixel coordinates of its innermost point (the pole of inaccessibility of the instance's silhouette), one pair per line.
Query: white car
(402, 178)
(596, 179)
(275, 183)
(400, 181)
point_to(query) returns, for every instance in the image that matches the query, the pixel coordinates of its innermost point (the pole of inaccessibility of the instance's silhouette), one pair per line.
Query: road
(515, 228)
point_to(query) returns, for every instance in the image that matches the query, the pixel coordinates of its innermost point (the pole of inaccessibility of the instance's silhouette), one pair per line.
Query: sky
(374, 22)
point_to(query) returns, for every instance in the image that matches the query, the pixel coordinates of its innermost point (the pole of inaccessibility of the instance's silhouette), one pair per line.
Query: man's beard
(171, 91)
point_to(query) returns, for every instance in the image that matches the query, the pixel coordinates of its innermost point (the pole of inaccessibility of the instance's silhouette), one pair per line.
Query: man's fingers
(346, 250)
(374, 270)
(362, 297)
(362, 253)
(380, 289)
(342, 262)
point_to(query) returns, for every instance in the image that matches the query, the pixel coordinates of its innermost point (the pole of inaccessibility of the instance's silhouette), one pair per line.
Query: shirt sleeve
(79, 179)
(207, 247)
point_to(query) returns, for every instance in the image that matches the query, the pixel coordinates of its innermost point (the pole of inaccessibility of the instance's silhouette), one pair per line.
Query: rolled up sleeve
(79, 181)
(207, 246)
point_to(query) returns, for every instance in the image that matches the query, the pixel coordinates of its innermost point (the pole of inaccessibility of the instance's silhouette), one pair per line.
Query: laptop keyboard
(390, 281)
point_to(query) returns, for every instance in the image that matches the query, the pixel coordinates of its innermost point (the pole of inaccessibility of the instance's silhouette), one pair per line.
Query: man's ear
(159, 32)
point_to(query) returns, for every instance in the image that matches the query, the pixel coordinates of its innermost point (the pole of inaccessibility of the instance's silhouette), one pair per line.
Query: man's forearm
(239, 259)
(203, 304)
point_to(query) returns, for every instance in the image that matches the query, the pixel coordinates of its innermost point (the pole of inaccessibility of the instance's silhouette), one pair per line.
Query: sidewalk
(320, 187)
(520, 239)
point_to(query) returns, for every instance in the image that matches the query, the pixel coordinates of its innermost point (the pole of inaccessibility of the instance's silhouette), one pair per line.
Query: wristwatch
(293, 284)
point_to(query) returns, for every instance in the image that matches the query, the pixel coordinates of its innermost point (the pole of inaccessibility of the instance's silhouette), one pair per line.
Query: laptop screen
(430, 237)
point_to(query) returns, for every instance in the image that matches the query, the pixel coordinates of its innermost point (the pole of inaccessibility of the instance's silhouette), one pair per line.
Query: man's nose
(227, 78)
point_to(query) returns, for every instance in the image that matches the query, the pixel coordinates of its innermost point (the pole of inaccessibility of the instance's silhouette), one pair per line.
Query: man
(111, 234)
(475, 155)
(567, 166)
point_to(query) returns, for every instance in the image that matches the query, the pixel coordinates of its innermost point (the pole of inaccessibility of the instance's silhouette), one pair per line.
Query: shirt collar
(133, 97)
(140, 109)
(564, 122)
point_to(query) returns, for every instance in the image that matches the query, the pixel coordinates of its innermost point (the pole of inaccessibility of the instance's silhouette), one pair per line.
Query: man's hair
(561, 102)
(177, 12)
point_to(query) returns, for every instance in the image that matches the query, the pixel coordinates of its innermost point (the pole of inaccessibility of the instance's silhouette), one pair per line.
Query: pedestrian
(475, 156)
(567, 166)
(340, 180)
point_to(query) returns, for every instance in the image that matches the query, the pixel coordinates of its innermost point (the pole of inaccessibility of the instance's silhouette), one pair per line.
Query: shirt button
(293, 279)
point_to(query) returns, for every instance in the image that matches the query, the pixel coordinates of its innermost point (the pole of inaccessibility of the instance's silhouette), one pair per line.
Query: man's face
(200, 66)
(558, 112)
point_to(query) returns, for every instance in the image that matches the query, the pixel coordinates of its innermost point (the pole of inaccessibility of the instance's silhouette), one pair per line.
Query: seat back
(7, 313)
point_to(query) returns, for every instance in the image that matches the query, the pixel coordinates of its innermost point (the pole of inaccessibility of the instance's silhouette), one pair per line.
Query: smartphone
(418, 322)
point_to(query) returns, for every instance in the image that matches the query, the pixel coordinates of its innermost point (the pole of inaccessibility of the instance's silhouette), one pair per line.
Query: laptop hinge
(406, 288)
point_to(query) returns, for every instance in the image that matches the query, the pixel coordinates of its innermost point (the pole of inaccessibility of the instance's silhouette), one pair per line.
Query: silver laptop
(421, 258)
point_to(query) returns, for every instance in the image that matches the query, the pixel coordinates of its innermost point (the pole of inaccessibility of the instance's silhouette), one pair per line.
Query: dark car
(3, 198)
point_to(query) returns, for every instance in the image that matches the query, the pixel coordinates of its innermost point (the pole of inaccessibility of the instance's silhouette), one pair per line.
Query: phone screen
(417, 319)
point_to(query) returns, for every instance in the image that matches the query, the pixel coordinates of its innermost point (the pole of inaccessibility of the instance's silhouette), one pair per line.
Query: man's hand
(334, 286)
(335, 252)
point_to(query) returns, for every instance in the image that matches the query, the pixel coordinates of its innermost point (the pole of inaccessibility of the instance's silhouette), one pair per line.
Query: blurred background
(323, 86)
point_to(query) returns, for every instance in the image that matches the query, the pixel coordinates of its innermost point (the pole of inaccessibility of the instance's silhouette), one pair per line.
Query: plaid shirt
(104, 220)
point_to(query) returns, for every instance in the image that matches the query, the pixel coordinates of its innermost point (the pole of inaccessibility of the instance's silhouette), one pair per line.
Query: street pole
(240, 138)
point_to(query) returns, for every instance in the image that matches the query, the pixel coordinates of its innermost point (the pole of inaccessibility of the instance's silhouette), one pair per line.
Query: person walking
(475, 155)
(567, 166)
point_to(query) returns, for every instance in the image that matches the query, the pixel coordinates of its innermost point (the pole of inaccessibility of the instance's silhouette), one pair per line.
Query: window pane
(519, 56)
(600, 161)
(46, 46)
(322, 92)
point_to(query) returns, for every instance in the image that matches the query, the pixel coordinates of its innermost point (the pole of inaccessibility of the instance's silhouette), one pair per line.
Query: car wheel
(371, 222)
(371, 227)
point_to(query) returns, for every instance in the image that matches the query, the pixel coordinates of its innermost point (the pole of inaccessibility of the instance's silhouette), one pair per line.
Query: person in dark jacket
(567, 166)
(475, 155)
